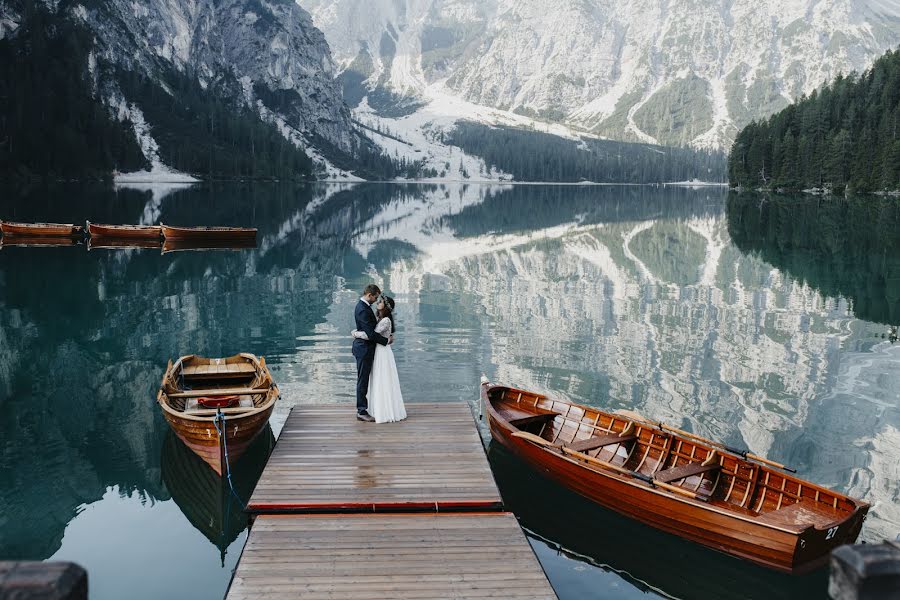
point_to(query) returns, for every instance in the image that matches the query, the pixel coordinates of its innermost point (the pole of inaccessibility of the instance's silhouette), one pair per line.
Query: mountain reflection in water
(757, 321)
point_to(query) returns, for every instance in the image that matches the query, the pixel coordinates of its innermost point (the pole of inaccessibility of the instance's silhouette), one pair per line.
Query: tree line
(530, 155)
(206, 134)
(843, 138)
(51, 125)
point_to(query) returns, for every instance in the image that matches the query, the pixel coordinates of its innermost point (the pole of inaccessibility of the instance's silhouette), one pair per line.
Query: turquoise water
(760, 321)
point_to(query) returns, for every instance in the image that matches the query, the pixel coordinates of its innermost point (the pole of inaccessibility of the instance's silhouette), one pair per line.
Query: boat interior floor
(801, 514)
(193, 406)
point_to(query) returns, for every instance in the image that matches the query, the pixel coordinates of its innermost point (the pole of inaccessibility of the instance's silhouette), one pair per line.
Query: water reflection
(685, 305)
(206, 499)
(848, 248)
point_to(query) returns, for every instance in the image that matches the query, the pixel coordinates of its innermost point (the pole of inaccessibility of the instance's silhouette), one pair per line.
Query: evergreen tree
(842, 136)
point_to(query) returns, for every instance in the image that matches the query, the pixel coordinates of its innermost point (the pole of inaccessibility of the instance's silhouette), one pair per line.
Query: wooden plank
(685, 470)
(376, 557)
(325, 460)
(599, 441)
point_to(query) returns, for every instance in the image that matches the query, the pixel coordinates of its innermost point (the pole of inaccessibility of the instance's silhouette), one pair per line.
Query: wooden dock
(371, 556)
(347, 509)
(327, 461)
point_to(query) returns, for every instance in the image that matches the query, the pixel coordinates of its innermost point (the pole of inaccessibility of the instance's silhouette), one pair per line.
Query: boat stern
(814, 544)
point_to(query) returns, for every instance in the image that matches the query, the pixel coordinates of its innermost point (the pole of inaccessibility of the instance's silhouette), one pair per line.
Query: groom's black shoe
(364, 416)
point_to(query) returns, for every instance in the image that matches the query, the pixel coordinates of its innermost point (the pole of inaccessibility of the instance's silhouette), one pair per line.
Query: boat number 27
(831, 532)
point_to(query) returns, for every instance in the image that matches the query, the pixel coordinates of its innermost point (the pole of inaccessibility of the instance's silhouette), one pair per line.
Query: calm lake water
(763, 322)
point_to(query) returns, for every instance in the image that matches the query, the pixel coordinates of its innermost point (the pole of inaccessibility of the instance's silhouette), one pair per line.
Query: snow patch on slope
(420, 136)
(159, 172)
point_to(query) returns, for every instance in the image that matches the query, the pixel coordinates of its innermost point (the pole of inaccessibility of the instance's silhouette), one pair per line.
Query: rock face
(690, 72)
(268, 52)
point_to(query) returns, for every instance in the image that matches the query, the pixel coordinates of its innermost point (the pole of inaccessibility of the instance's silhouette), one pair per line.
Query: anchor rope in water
(222, 436)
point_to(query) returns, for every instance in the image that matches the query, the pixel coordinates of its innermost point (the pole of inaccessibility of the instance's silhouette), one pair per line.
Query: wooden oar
(590, 459)
(738, 451)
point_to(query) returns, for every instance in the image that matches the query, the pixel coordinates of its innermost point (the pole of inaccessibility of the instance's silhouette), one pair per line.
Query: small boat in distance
(125, 232)
(700, 490)
(196, 392)
(43, 230)
(228, 234)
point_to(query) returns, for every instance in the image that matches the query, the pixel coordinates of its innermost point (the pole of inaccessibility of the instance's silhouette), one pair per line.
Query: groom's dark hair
(372, 289)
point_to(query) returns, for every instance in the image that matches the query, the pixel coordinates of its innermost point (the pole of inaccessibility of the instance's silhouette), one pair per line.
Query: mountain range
(674, 73)
(378, 87)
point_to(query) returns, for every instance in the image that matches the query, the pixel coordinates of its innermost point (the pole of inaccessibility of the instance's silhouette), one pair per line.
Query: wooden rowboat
(694, 488)
(125, 232)
(198, 393)
(232, 234)
(43, 230)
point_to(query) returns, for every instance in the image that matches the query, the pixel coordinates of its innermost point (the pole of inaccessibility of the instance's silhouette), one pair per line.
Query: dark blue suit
(364, 352)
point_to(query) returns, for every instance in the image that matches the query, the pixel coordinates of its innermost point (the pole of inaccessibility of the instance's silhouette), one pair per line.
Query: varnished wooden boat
(125, 232)
(43, 230)
(228, 234)
(694, 488)
(204, 498)
(192, 380)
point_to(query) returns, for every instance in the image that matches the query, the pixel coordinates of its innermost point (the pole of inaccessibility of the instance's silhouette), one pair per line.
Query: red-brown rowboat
(125, 232)
(223, 234)
(192, 380)
(43, 230)
(675, 481)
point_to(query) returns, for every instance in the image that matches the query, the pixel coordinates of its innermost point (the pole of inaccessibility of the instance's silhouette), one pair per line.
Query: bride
(385, 399)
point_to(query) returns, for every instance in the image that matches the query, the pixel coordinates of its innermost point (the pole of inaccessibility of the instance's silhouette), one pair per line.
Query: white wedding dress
(385, 398)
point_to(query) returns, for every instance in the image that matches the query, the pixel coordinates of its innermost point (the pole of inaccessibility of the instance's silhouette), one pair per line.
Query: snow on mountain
(675, 73)
(272, 48)
(266, 54)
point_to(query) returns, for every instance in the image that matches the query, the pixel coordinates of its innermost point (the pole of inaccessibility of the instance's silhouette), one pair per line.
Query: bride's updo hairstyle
(387, 311)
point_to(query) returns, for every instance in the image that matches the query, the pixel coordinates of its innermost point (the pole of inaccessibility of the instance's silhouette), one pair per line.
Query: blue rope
(224, 439)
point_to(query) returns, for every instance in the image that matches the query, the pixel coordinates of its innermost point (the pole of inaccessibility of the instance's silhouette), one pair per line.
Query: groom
(364, 350)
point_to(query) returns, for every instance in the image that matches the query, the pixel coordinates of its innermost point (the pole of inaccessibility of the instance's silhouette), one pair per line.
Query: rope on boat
(222, 436)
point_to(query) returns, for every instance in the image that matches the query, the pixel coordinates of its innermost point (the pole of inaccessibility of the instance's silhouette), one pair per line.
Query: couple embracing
(378, 396)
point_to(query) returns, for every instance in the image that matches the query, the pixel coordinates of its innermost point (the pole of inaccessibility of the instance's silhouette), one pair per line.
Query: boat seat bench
(592, 443)
(219, 392)
(686, 470)
(525, 421)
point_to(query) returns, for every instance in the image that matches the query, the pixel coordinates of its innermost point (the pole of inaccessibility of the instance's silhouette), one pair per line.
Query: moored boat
(43, 230)
(700, 490)
(125, 232)
(201, 396)
(180, 234)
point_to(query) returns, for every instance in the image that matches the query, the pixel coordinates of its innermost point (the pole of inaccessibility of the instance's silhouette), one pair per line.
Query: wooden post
(43, 581)
(865, 572)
